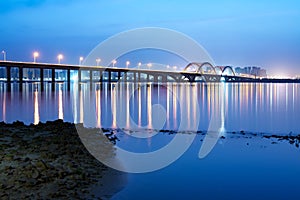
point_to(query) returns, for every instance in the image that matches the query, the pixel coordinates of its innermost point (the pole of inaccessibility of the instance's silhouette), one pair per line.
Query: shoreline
(49, 161)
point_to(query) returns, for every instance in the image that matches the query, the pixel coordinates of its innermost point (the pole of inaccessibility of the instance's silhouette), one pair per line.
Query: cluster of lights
(60, 57)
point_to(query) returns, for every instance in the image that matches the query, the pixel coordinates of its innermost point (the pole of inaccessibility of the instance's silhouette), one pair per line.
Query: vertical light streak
(114, 107)
(75, 96)
(139, 107)
(81, 107)
(98, 108)
(127, 101)
(36, 108)
(4, 105)
(60, 105)
(168, 106)
(149, 106)
(174, 96)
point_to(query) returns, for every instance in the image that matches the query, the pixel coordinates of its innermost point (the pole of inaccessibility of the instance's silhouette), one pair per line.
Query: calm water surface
(239, 167)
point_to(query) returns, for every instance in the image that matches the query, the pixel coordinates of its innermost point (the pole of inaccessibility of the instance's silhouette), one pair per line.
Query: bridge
(193, 72)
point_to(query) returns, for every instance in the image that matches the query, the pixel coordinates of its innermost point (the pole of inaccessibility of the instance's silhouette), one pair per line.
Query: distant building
(253, 71)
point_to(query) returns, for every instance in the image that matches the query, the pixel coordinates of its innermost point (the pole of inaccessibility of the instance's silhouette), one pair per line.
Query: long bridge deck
(111, 74)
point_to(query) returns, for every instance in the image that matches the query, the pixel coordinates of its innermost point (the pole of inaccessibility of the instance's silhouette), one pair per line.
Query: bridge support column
(101, 76)
(134, 77)
(8, 77)
(8, 74)
(148, 77)
(164, 79)
(20, 78)
(69, 79)
(42, 78)
(79, 76)
(155, 77)
(53, 79)
(91, 79)
(119, 76)
(138, 76)
(109, 76)
(125, 76)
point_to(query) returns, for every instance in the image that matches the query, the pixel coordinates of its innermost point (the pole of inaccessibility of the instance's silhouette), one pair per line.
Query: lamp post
(60, 57)
(4, 55)
(139, 65)
(114, 62)
(35, 55)
(149, 65)
(80, 60)
(98, 60)
(127, 64)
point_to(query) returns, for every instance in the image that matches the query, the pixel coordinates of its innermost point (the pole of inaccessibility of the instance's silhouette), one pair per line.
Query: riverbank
(49, 161)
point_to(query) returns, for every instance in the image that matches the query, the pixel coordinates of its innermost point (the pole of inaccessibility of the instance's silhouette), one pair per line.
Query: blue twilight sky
(265, 33)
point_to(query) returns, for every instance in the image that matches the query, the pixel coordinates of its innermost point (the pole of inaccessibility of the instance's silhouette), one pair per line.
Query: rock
(18, 123)
(41, 165)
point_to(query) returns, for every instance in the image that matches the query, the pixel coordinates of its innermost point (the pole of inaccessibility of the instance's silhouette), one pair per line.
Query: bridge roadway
(114, 74)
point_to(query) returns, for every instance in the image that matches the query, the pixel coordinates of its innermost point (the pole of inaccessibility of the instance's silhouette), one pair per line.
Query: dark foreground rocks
(47, 161)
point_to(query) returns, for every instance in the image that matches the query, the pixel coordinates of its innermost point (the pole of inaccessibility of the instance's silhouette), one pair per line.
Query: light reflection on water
(240, 106)
(237, 168)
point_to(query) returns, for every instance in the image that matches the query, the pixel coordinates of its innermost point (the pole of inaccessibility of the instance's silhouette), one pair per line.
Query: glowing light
(60, 57)
(139, 64)
(127, 63)
(80, 60)
(114, 62)
(149, 65)
(36, 108)
(4, 55)
(98, 60)
(35, 55)
(60, 105)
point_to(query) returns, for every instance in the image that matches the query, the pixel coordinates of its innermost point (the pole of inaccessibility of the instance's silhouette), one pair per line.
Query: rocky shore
(49, 161)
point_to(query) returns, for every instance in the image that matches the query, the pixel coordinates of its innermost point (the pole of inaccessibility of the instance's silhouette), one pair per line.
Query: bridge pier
(41, 77)
(119, 76)
(138, 76)
(109, 76)
(155, 77)
(100, 76)
(134, 77)
(20, 78)
(164, 79)
(53, 79)
(69, 79)
(79, 75)
(8, 78)
(91, 79)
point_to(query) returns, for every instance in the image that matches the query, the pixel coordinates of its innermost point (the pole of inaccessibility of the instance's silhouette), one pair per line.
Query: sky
(261, 33)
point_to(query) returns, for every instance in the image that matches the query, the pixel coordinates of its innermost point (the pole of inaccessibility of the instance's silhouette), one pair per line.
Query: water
(240, 166)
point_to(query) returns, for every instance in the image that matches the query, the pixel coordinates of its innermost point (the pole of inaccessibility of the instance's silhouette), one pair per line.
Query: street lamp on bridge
(80, 60)
(139, 65)
(127, 64)
(35, 55)
(98, 60)
(114, 62)
(60, 57)
(4, 55)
